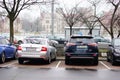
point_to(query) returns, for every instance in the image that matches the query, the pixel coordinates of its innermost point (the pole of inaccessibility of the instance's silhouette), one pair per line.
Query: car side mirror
(65, 43)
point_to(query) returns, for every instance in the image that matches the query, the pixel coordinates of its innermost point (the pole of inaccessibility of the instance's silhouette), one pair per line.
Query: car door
(9, 48)
(52, 49)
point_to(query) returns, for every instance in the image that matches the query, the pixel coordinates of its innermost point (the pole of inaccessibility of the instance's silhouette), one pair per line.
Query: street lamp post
(52, 18)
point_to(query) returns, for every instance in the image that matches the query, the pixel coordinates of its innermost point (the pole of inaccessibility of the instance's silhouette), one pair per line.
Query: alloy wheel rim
(3, 58)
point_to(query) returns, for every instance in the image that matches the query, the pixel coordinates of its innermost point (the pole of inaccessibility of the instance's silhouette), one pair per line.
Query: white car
(41, 48)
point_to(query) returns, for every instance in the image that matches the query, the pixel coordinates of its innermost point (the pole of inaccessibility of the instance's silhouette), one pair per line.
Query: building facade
(45, 21)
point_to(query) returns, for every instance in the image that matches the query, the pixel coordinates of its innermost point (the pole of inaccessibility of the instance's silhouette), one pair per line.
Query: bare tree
(71, 16)
(87, 18)
(118, 27)
(111, 16)
(2, 14)
(13, 8)
(91, 21)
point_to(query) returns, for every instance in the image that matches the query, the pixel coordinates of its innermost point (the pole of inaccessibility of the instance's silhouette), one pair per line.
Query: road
(57, 70)
(60, 64)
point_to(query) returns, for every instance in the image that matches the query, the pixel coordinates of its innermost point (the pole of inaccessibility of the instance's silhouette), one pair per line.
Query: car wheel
(67, 62)
(2, 59)
(54, 59)
(113, 62)
(15, 56)
(108, 60)
(95, 62)
(49, 60)
(20, 61)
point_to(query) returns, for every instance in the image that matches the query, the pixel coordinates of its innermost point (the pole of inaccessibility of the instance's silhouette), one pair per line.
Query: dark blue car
(81, 48)
(7, 50)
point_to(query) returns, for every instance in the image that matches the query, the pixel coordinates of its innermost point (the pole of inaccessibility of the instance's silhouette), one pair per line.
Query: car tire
(20, 61)
(67, 62)
(95, 62)
(108, 60)
(54, 59)
(15, 56)
(49, 60)
(113, 62)
(2, 59)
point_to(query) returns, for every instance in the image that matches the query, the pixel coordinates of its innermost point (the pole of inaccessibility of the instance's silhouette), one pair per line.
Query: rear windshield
(35, 41)
(82, 40)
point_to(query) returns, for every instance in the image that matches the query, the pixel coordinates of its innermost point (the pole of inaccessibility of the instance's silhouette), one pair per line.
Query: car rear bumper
(32, 55)
(82, 56)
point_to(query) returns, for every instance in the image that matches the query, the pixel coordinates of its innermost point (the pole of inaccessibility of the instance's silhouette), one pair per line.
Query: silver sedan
(41, 48)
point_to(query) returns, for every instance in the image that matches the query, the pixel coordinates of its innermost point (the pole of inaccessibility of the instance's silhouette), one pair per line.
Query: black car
(81, 47)
(113, 54)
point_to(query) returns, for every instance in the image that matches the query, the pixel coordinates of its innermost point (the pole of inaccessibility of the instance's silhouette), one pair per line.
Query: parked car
(17, 39)
(81, 47)
(113, 54)
(102, 42)
(32, 49)
(54, 42)
(58, 38)
(7, 50)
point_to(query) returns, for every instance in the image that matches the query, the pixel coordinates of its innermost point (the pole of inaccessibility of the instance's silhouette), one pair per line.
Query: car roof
(38, 38)
(116, 38)
(77, 36)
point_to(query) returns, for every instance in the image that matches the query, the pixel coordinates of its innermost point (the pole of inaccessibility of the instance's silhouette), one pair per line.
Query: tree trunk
(11, 30)
(112, 35)
(70, 30)
(90, 32)
(118, 34)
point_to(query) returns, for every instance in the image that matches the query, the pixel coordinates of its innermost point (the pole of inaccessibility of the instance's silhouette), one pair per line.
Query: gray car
(32, 49)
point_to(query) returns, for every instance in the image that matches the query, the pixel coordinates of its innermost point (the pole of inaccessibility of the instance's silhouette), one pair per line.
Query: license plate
(30, 49)
(81, 47)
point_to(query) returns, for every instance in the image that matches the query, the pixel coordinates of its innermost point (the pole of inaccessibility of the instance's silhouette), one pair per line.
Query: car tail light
(15, 42)
(94, 54)
(92, 44)
(68, 54)
(43, 49)
(70, 44)
(19, 48)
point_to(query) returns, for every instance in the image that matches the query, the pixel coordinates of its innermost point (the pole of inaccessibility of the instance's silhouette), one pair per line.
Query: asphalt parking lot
(61, 64)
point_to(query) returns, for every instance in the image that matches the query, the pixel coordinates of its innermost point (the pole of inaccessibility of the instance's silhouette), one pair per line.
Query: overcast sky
(34, 12)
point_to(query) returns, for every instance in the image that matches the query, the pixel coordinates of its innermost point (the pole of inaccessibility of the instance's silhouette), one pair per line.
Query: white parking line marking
(105, 65)
(58, 64)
